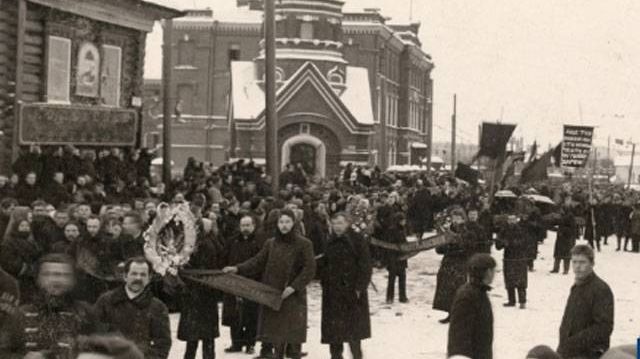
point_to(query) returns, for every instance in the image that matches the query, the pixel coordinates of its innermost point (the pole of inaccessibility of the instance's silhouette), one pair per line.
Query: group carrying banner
(576, 145)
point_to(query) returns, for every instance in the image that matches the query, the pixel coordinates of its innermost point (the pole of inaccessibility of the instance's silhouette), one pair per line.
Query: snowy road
(412, 330)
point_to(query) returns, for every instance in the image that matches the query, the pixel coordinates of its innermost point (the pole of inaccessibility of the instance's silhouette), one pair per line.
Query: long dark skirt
(450, 277)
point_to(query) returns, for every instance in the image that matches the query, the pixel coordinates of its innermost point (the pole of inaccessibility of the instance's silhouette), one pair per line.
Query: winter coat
(635, 223)
(199, 304)
(56, 194)
(452, 273)
(94, 262)
(395, 235)
(566, 239)
(27, 194)
(51, 324)
(420, 211)
(18, 257)
(143, 320)
(587, 322)
(471, 326)
(345, 270)
(9, 314)
(514, 240)
(237, 250)
(535, 231)
(284, 261)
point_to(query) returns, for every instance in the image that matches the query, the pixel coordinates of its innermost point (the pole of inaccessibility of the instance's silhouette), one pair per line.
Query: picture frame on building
(88, 70)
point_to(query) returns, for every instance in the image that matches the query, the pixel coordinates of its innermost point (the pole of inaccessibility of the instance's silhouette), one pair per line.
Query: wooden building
(71, 72)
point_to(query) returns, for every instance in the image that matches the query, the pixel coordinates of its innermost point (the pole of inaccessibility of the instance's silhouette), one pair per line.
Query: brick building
(351, 87)
(71, 72)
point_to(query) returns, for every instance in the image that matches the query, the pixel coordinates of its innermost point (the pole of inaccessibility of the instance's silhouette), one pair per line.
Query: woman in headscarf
(286, 262)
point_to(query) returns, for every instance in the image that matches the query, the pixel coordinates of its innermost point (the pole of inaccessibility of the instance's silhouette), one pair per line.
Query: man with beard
(587, 322)
(48, 327)
(93, 256)
(240, 314)
(133, 312)
(286, 262)
(513, 239)
(345, 272)
(69, 243)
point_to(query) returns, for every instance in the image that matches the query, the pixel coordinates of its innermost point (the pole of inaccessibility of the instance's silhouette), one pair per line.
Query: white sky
(533, 62)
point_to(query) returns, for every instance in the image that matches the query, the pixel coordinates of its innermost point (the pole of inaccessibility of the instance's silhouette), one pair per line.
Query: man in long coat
(566, 239)
(239, 314)
(199, 303)
(587, 322)
(514, 239)
(286, 262)
(345, 272)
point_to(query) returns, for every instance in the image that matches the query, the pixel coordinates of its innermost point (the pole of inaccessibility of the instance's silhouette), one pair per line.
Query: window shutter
(111, 73)
(58, 69)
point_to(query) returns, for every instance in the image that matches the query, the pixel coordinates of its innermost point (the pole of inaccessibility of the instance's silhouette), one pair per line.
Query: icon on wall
(88, 73)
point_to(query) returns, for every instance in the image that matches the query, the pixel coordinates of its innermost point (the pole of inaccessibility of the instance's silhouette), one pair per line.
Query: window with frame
(234, 53)
(306, 30)
(186, 52)
(58, 69)
(111, 75)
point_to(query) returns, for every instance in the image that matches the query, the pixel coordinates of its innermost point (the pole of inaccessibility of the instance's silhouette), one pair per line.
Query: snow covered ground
(412, 330)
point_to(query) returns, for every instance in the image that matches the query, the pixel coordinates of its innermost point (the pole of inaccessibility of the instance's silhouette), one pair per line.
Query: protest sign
(576, 145)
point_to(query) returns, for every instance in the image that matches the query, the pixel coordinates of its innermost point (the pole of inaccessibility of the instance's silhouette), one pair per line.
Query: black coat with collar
(144, 320)
(587, 322)
(471, 326)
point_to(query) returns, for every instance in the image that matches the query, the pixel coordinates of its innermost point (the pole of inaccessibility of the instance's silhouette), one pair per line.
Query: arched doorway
(308, 150)
(304, 154)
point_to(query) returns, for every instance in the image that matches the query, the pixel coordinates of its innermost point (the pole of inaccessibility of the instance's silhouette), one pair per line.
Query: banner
(494, 139)
(576, 145)
(417, 246)
(237, 285)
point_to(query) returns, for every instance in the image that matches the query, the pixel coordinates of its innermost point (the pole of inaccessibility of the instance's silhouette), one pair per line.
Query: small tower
(309, 31)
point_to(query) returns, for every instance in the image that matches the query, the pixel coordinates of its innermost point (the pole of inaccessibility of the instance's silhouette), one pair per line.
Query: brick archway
(303, 138)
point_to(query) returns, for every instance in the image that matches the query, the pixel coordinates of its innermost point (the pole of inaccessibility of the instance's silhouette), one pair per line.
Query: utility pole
(271, 126)
(166, 101)
(633, 154)
(453, 134)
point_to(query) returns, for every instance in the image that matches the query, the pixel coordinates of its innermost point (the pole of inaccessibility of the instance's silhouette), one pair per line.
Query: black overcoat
(345, 272)
(471, 326)
(587, 322)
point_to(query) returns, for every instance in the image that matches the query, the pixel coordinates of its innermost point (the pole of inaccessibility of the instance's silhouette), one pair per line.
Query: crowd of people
(73, 226)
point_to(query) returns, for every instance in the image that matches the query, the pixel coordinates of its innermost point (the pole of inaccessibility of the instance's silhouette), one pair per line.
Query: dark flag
(494, 138)
(537, 169)
(509, 166)
(534, 151)
(466, 173)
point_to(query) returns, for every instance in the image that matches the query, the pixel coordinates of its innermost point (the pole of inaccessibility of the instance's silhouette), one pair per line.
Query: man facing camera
(587, 322)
